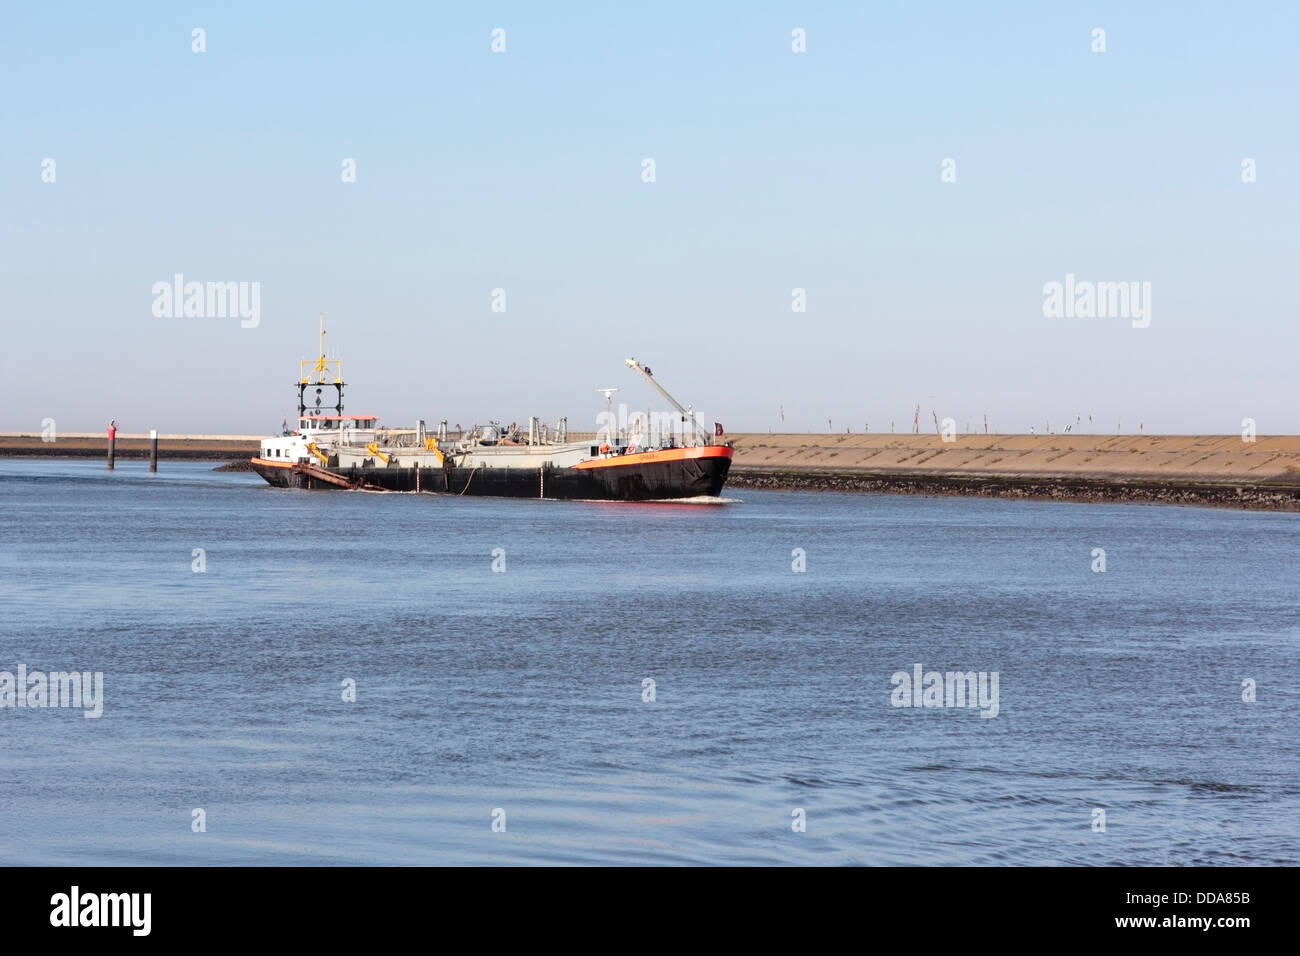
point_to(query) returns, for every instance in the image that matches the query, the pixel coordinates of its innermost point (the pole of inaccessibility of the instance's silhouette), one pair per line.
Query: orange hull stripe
(271, 464)
(653, 457)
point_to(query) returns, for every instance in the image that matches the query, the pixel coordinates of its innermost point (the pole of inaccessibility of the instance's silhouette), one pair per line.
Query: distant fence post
(153, 449)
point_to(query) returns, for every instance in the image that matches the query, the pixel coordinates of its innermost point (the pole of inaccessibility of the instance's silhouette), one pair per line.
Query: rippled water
(522, 690)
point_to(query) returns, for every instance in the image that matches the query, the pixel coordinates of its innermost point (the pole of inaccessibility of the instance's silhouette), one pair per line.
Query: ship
(642, 457)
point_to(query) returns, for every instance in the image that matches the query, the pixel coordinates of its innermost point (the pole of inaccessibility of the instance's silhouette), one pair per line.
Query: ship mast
(321, 368)
(326, 372)
(686, 413)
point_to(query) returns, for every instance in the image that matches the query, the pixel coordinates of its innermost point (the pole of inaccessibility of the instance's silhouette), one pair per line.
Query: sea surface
(519, 696)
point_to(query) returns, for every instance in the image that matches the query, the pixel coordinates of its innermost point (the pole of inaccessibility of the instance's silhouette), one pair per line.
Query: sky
(774, 171)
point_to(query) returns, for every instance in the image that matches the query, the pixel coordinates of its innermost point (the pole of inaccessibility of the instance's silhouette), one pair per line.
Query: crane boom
(686, 414)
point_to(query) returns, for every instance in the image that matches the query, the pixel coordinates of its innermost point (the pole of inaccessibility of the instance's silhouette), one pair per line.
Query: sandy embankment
(1196, 458)
(1177, 469)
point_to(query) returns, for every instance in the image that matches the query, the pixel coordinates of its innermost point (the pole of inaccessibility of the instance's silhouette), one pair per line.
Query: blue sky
(774, 171)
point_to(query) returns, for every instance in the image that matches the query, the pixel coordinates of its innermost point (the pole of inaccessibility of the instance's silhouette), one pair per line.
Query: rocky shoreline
(1256, 497)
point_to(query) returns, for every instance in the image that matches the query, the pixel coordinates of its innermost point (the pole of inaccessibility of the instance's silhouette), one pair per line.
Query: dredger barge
(644, 458)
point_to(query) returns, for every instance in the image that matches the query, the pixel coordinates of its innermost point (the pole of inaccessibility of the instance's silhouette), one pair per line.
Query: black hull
(649, 481)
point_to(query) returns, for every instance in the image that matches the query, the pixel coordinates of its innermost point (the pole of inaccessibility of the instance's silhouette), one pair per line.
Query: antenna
(609, 412)
(320, 364)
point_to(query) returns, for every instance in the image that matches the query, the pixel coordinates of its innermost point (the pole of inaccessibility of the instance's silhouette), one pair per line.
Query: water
(522, 690)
